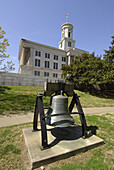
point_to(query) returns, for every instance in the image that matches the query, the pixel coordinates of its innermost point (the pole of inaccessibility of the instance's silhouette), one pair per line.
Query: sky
(40, 21)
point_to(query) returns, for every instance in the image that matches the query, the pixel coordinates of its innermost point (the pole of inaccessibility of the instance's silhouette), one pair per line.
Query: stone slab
(62, 143)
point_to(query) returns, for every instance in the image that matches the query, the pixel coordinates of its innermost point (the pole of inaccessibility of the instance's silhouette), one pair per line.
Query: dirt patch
(85, 156)
(24, 155)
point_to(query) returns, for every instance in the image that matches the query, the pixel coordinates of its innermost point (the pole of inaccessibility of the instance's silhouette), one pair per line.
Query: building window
(64, 59)
(62, 65)
(37, 62)
(55, 75)
(69, 33)
(55, 65)
(55, 57)
(37, 53)
(46, 74)
(69, 44)
(46, 64)
(47, 55)
(37, 73)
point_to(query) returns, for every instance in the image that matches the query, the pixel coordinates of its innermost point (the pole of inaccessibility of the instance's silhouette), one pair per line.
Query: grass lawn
(101, 158)
(15, 99)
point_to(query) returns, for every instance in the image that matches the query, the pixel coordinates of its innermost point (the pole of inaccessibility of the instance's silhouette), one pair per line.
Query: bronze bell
(59, 106)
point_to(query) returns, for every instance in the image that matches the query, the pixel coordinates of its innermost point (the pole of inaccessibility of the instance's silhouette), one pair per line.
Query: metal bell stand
(39, 109)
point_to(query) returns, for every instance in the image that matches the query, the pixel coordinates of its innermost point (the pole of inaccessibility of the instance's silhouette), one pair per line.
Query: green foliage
(88, 69)
(4, 64)
(109, 64)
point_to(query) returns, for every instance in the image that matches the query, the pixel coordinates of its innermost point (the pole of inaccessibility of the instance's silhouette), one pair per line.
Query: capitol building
(45, 62)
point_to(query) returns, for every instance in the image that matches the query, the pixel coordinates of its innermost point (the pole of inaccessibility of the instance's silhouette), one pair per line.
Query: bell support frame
(39, 109)
(75, 100)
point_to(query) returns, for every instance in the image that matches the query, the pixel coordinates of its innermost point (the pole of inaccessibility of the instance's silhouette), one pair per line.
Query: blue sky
(41, 20)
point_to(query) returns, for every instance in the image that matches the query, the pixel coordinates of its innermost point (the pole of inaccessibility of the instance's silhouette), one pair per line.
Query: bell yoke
(58, 114)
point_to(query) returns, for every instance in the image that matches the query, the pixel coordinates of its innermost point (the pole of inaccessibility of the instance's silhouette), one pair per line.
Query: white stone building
(45, 62)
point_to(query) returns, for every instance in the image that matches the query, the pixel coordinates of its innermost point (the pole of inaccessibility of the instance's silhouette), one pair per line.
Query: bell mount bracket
(39, 109)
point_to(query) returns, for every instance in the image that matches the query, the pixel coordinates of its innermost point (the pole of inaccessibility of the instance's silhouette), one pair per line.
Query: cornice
(42, 45)
(77, 50)
(37, 44)
(67, 24)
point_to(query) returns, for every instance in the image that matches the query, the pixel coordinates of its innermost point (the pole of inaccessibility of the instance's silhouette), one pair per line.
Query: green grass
(15, 99)
(95, 100)
(11, 147)
(101, 158)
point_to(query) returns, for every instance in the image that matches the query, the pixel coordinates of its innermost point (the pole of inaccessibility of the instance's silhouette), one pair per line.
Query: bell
(59, 106)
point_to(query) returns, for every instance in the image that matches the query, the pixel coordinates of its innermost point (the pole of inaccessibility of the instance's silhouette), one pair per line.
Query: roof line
(35, 43)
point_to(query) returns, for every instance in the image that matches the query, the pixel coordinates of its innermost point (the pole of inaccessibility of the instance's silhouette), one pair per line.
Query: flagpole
(67, 17)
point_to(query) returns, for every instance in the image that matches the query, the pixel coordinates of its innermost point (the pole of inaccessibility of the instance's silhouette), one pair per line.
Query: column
(30, 58)
(22, 56)
(69, 60)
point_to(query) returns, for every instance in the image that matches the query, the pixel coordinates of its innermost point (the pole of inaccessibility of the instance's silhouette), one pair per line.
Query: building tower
(66, 36)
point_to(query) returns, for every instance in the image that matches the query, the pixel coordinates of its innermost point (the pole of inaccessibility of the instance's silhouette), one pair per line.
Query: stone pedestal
(62, 144)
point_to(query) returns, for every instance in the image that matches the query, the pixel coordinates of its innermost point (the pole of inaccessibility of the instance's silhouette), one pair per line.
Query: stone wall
(16, 79)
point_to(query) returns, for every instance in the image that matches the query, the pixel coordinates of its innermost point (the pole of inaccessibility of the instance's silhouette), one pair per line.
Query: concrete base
(63, 143)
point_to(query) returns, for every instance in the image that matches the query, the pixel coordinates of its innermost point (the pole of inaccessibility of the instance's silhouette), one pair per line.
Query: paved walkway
(16, 119)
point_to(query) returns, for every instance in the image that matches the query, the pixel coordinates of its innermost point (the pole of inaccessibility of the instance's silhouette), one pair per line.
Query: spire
(67, 17)
(67, 41)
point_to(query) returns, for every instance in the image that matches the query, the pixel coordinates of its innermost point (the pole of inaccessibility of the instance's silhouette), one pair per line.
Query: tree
(109, 64)
(5, 65)
(86, 69)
